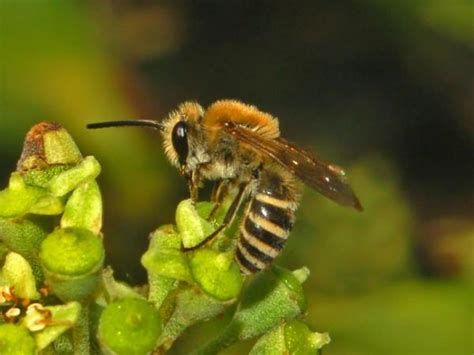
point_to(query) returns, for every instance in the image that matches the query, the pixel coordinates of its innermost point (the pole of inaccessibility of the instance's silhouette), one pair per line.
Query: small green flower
(48, 323)
(299, 339)
(72, 251)
(164, 256)
(191, 226)
(217, 274)
(72, 259)
(130, 327)
(293, 337)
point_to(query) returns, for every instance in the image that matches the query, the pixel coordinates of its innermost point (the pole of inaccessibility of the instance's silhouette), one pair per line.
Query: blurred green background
(384, 88)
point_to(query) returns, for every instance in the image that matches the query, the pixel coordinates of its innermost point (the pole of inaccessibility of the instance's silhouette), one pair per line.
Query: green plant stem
(80, 332)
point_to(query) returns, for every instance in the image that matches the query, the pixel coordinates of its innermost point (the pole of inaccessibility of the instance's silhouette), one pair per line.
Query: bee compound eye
(179, 139)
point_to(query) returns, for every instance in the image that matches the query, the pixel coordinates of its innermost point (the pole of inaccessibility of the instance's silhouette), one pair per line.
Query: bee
(241, 148)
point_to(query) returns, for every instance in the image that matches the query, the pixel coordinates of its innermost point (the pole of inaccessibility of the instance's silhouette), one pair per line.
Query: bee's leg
(193, 185)
(229, 217)
(219, 192)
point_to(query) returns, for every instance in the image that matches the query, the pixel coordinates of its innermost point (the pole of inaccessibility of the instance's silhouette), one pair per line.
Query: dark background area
(385, 89)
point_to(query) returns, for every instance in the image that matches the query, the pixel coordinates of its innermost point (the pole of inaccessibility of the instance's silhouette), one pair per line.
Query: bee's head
(181, 135)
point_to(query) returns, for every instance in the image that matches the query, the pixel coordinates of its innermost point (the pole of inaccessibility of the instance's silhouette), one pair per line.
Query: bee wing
(326, 178)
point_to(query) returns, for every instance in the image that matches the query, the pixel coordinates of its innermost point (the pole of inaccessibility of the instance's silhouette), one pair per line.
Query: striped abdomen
(265, 227)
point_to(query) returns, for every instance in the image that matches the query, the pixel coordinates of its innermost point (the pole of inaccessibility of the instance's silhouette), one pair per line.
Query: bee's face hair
(180, 131)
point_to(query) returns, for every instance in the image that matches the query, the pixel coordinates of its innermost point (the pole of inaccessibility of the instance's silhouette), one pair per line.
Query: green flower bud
(164, 256)
(130, 326)
(191, 226)
(20, 199)
(88, 169)
(217, 274)
(47, 144)
(293, 337)
(84, 208)
(299, 339)
(18, 274)
(16, 340)
(72, 259)
(24, 237)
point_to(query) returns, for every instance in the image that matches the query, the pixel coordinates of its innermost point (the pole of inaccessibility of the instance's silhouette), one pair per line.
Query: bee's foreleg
(228, 218)
(193, 185)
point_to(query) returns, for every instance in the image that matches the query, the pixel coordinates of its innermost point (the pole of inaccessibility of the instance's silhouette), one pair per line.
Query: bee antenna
(139, 123)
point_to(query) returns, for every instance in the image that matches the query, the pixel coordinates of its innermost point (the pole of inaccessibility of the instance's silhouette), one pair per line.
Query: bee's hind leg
(229, 217)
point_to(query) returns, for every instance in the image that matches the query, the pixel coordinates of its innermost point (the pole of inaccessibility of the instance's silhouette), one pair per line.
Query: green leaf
(88, 169)
(24, 237)
(16, 340)
(272, 342)
(84, 208)
(18, 274)
(270, 298)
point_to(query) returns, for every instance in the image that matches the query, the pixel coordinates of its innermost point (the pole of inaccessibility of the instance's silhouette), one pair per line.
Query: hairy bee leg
(219, 192)
(229, 217)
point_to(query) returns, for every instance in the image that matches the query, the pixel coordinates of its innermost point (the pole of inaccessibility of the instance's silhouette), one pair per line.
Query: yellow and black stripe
(265, 228)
